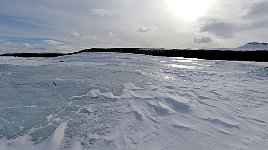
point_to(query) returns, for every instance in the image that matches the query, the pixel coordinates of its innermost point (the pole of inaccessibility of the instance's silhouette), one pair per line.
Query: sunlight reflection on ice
(183, 66)
(181, 59)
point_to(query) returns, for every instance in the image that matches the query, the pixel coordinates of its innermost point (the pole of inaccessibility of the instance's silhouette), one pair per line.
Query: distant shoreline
(258, 56)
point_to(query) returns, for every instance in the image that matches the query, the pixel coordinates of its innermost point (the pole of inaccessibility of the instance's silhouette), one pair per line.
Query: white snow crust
(124, 101)
(254, 46)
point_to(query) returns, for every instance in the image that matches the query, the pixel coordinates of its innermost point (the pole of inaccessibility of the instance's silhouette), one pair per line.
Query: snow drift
(126, 101)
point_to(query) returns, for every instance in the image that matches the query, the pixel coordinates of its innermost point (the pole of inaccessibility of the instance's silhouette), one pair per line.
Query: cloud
(89, 37)
(110, 34)
(87, 23)
(202, 39)
(23, 22)
(260, 24)
(53, 42)
(146, 29)
(258, 10)
(257, 16)
(64, 48)
(58, 45)
(12, 47)
(34, 45)
(218, 28)
(75, 34)
(101, 12)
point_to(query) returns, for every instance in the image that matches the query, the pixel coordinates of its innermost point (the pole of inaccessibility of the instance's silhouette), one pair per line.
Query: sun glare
(189, 9)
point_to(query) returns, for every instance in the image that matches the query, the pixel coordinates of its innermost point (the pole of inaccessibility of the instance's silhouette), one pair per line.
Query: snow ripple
(133, 102)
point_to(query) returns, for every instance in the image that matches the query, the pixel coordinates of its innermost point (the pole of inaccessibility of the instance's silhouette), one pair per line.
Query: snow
(127, 101)
(56, 139)
(254, 46)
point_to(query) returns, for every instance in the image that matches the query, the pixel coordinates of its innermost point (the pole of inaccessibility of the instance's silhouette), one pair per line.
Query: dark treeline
(37, 54)
(33, 54)
(259, 56)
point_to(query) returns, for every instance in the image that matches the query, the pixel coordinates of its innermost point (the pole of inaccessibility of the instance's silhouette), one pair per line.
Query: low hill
(254, 46)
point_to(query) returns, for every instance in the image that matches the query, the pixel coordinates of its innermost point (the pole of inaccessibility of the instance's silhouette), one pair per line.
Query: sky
(72, 25)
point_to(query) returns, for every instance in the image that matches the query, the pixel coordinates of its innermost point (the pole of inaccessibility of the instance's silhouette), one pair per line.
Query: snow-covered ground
(127, 101)
(253, 46)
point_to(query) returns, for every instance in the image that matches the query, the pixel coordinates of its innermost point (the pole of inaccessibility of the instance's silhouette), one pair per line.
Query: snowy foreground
(126, 101)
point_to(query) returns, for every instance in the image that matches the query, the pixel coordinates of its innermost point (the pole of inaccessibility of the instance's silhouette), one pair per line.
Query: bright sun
(189, 9)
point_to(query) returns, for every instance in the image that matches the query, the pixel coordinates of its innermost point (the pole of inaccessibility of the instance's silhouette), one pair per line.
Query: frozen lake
(128, 101)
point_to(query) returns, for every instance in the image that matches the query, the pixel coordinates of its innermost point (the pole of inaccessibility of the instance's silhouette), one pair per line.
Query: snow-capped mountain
(254, 46)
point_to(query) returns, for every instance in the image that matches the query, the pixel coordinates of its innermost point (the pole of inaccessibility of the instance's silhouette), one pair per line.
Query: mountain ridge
(231, 55)
(254, 46)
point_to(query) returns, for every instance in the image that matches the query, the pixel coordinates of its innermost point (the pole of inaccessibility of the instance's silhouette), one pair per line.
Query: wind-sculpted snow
(261, 72)
(125, 101)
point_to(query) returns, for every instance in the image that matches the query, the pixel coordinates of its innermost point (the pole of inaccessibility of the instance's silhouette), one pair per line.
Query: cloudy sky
(71, 25)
